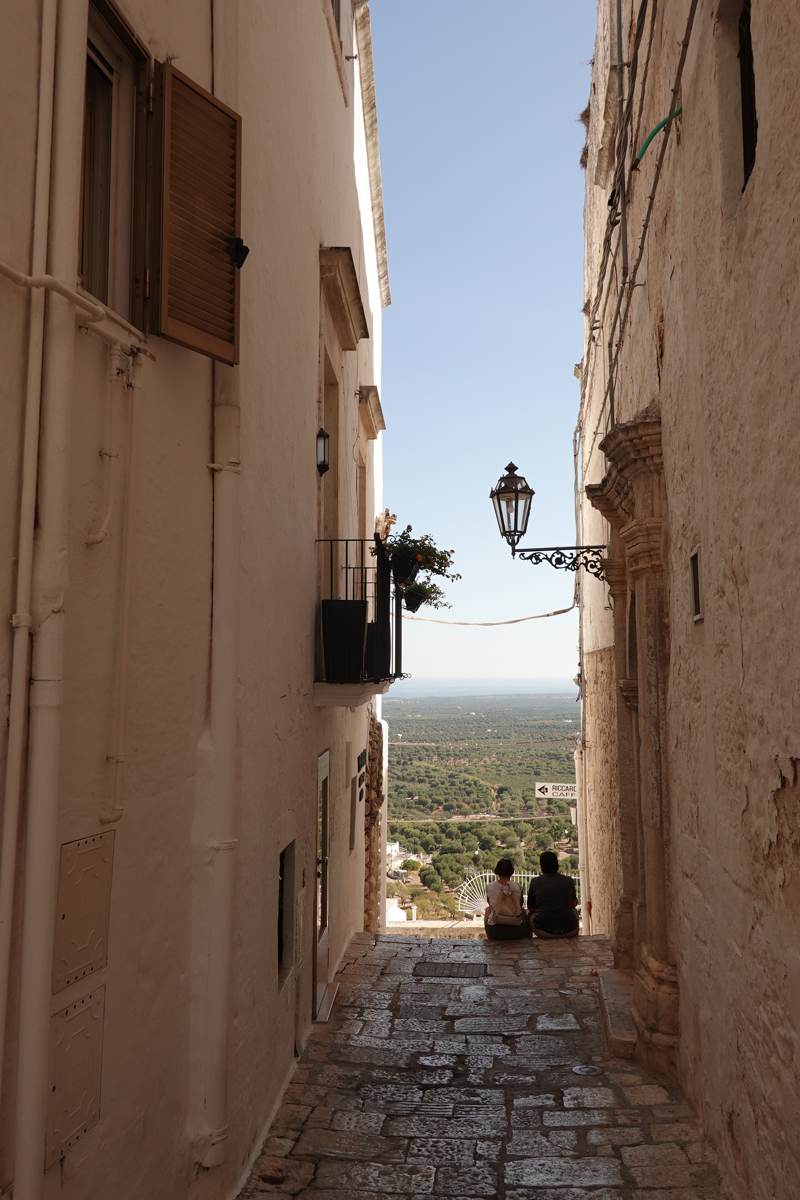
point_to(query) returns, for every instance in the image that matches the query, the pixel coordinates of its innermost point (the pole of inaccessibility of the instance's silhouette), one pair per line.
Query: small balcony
(359, 623)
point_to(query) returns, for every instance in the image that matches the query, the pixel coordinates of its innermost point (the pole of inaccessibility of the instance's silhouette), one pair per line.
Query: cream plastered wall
(713, 345)
(19, 66)
(305, 185)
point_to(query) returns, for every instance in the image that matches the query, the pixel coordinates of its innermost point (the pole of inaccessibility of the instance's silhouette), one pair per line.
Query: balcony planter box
(404, 569)
(378, 655)
(344, 635)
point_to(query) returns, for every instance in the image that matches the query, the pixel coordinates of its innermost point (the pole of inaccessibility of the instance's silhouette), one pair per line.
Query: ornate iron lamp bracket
(567, 558)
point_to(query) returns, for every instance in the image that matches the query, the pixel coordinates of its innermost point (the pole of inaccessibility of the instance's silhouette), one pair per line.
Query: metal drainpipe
(17, 718)
(114, 372)
(223, 728)
(224, 675)
(48, 593)
(117, 807)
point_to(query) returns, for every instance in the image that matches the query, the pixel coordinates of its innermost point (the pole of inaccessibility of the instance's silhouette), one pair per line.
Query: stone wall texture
(711, 348)
(602, 794)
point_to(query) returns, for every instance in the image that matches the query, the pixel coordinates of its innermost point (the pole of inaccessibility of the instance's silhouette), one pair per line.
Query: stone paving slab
(432, 1089)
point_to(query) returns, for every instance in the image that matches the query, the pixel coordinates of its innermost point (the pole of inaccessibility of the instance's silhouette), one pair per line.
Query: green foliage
(410, 864)
(424, 550)
(431, 593)
(430, 877)
(477, 757)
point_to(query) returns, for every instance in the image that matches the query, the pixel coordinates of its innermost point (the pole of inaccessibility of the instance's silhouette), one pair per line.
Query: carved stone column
(631, 496)
(624, 941)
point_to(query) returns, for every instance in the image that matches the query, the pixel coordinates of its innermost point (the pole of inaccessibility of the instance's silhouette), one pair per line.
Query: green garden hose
(652, 134)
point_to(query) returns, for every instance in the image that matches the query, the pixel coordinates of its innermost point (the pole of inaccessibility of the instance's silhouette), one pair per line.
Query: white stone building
(689, 452)
(193, 782)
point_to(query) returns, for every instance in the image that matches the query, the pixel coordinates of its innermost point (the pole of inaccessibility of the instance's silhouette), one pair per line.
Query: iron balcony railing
(359, 625)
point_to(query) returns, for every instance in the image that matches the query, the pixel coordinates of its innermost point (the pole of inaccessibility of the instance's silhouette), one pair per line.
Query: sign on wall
(557, 791)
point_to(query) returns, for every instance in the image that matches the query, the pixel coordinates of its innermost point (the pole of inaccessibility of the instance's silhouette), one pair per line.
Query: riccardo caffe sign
(557, 791)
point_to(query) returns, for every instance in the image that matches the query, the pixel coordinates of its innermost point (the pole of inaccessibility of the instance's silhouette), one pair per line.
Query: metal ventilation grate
(450, 970)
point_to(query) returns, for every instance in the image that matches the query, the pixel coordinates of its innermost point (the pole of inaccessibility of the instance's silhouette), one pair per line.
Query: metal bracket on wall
(567, 558)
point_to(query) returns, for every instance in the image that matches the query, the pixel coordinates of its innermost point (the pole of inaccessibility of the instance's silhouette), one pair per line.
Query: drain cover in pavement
(587, 1069)
(450, 970)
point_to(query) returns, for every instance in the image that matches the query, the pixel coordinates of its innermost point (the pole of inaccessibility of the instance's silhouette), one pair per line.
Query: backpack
(507, 909)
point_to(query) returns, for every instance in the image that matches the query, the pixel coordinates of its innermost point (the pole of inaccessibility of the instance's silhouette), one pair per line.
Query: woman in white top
(505, 918)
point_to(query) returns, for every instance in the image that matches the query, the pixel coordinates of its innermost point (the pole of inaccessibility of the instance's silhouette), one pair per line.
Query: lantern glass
(323, 452)
(512, 503)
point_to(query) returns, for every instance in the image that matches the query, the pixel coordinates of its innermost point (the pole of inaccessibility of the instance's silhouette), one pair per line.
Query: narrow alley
(449, 1068)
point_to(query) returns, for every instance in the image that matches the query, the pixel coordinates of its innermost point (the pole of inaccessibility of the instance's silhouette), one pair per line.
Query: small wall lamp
(323, 452)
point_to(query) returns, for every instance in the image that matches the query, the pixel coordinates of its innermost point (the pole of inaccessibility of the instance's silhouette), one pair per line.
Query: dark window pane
(749, 120)
(96, 181)
(281, 878)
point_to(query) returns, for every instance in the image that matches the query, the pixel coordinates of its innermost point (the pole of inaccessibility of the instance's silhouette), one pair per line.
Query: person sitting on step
(505, 918)
(552, 901)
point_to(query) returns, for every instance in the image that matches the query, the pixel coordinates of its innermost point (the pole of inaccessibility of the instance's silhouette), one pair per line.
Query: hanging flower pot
(404, 569)
(414, 597)
(424, 591)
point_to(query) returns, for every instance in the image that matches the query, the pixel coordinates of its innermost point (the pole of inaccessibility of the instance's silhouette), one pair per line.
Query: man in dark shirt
(552, 901)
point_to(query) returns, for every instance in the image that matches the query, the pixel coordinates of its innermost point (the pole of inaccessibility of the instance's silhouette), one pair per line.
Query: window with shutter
(197, 290)
(112, 261)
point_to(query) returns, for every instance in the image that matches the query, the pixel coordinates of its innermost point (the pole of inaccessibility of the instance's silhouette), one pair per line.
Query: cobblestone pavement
(459, 1087)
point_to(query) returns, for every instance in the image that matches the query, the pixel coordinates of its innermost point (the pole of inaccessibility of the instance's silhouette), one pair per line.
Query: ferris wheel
(471, 894)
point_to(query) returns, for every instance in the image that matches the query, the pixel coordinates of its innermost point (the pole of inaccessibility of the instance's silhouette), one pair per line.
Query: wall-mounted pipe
(125, 335)
(114, 371)
(91, 311)
(118, 803)
(215, 823)
(223, 730)
(21, 621)
(47, 612)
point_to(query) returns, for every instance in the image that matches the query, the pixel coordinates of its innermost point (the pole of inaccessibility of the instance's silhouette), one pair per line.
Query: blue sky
(477, 111)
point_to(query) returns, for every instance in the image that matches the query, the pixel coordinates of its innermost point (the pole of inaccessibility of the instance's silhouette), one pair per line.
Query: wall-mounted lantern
(323, 452)
(512, 505)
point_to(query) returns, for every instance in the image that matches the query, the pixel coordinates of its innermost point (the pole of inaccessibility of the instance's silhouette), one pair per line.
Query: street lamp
(512, 505)
(512, 502)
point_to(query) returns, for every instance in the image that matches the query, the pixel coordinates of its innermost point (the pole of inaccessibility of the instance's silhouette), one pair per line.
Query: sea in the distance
(414, 686)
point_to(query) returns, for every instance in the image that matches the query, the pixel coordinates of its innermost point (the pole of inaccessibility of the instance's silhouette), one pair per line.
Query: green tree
(431, 878)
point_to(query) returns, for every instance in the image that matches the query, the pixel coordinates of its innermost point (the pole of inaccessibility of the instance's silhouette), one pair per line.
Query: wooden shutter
(197, 290)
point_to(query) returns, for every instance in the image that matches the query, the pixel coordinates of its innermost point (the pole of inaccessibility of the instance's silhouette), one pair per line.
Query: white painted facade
(160, 845)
